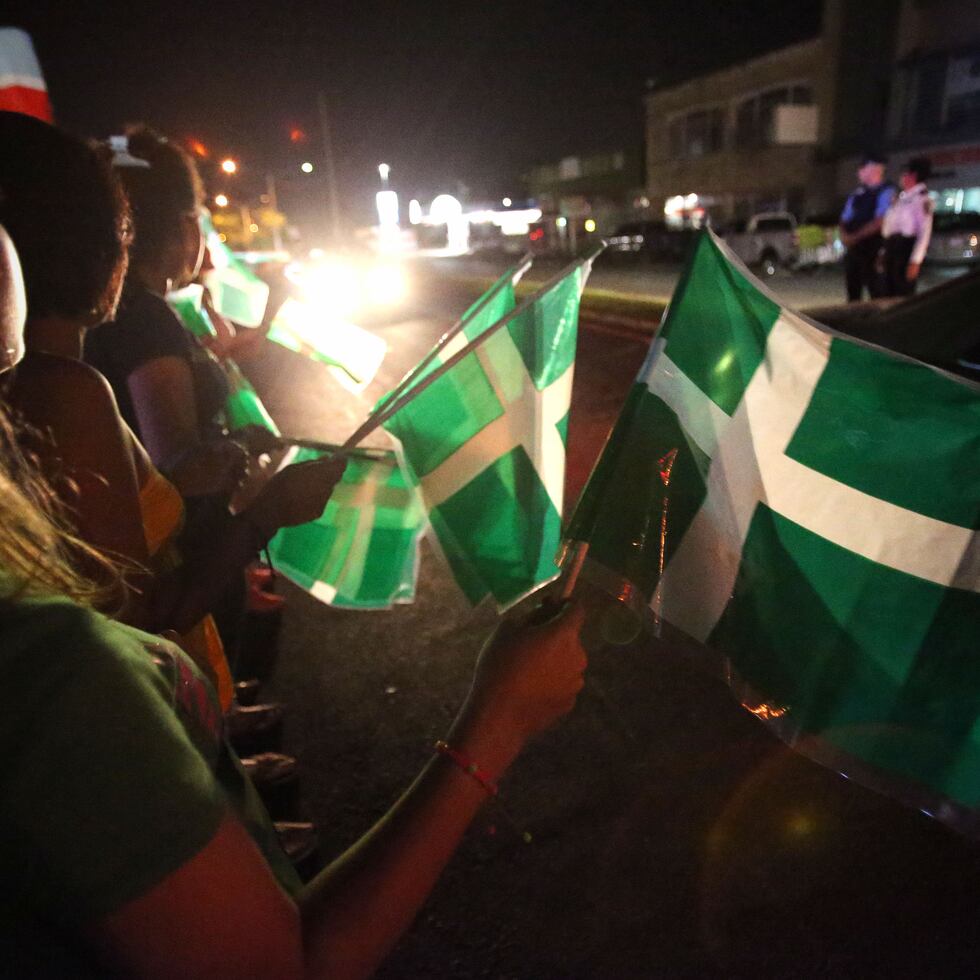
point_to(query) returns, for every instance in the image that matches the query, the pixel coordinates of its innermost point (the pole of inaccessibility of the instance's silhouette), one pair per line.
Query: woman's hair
(38, 554)
(160, 194)
(66, 213)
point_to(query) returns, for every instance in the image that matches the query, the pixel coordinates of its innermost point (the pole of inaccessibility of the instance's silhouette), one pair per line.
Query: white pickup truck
(766, 242)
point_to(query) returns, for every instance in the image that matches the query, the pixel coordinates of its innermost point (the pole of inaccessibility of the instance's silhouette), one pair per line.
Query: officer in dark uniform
(860, 228)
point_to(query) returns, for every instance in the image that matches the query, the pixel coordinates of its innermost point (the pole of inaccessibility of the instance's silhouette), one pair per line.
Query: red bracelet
(467, 765)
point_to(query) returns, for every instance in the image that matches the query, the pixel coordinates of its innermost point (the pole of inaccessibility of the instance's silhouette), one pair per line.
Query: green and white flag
(236, 291)
(484, 444)
(243, 406)
(362, 553)
(808, 507)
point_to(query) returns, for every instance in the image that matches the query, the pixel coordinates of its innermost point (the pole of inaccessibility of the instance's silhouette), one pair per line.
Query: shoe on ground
(298, 839)
(270, 770)
(247, 723)
(247, 692)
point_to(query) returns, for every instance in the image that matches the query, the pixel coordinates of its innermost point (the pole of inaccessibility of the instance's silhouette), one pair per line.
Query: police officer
(860, 227)
(907, 229)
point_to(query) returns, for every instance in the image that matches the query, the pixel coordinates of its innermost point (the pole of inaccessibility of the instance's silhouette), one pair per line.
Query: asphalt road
(821, 286)
(673, 835)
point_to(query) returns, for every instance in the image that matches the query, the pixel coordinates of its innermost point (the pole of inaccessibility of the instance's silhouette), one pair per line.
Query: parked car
(767, 241)
(818, 240)
(651, 240)
(955, 239)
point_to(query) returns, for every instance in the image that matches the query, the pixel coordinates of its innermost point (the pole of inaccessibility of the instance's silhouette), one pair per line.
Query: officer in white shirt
(907, 228)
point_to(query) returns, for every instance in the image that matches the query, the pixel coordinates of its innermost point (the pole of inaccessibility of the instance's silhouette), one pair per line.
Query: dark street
(672, 834)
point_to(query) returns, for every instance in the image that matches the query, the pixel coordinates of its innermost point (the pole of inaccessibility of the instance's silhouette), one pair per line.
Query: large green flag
(362, 553)
(807, 506)
(484, 444)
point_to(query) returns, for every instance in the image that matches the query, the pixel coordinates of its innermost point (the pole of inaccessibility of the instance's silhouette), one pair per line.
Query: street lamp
(221, 200)
(229, 166)
(383, 171)
(306, 167)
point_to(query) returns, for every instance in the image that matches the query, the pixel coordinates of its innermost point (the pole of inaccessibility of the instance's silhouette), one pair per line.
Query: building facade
(782, 131)
(934, 109)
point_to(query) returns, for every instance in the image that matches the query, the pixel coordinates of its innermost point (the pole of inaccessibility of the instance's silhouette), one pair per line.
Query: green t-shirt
(114, 774)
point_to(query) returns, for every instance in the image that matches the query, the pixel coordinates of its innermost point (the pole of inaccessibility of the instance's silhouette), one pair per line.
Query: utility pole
(270, 190)
(331, 174)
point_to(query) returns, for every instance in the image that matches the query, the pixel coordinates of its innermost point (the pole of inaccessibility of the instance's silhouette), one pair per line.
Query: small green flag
(362, 553)
(808, 507)
(307, 330)
(484, 444)
(243, 406)
(237, 292)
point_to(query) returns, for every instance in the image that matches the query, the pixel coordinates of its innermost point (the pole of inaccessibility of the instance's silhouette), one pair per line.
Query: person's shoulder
(73, 380)
(42, 633)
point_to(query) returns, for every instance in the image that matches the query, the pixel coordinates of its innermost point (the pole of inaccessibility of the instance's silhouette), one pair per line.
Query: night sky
(445, 92)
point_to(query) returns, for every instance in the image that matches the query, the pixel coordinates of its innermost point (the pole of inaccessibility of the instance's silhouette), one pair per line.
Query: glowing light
(296, 135)
(385, 284)
(306, 167)
(387, 203)
(506, 202)
(414, 212)
(383, 171)
(223, 237)
(221, 200)
(561, 222)
(674, 204)
(589, 225)
(444, 209)
(973, 241)
(229, 166)
(253, 227)
(198, 148)
(690, 201)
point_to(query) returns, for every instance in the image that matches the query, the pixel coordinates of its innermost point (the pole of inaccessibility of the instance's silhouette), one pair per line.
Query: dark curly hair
(67, 215)
(160, 194)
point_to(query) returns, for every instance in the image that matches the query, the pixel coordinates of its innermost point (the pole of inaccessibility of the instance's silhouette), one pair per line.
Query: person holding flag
(131, 842)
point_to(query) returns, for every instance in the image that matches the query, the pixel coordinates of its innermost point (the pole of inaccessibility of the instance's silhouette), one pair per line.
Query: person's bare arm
(166, 408)
(222, 914)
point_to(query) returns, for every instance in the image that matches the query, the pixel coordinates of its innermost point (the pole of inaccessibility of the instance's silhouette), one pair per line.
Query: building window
(938, 95)
(755, 116)
(697, 134)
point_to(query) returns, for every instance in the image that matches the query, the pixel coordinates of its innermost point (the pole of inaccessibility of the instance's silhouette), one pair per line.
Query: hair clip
(121, 157)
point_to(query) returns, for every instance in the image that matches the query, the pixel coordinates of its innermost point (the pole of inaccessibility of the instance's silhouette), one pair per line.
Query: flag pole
(396, 405)
(377, 455)
(514, 274)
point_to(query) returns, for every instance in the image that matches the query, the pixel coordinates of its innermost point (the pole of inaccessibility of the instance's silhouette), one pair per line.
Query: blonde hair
(39, 555)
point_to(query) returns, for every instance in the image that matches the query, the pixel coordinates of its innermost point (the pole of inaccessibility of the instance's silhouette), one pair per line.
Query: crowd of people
(134, 840)
(885, 230)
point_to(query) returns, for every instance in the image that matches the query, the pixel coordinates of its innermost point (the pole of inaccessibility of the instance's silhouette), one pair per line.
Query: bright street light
(383, 171)
(306, 167)
(221, 200)
(506, 202)
(229, 166)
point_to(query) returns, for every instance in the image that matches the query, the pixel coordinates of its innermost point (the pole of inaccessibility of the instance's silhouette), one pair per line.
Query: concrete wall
(937, 25)
(770, 172)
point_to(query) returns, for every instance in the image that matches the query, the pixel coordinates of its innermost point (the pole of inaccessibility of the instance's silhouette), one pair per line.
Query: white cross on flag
(485, 444)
